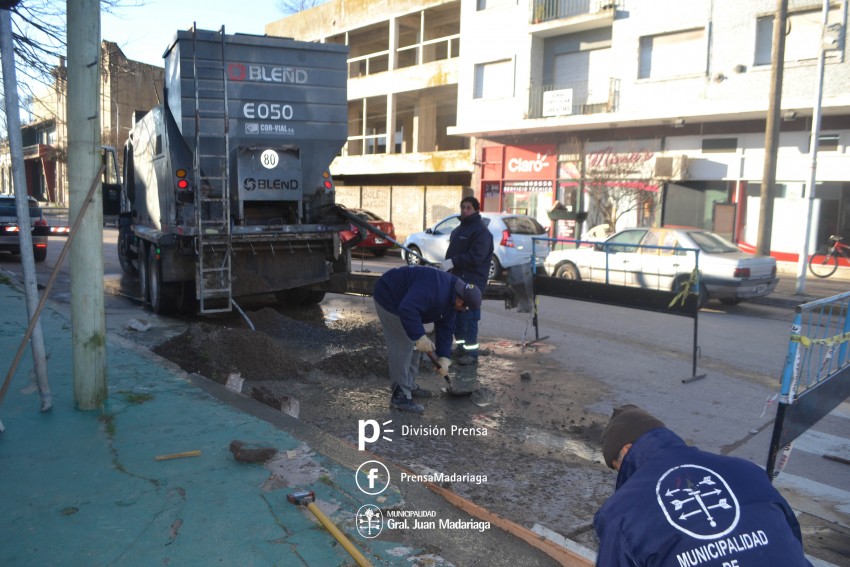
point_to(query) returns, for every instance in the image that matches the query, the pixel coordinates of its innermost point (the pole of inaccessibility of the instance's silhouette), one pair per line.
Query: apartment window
(826, 143)
(485, 4)
(802, 37)
(494, 80)
(719, 145)
(674, 54)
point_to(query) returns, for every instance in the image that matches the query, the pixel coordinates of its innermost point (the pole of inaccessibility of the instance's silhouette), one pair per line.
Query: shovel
(449, 390)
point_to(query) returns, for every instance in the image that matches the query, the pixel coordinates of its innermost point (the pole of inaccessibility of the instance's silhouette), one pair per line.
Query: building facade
(127, 88)
(590, 112)
(642, 113)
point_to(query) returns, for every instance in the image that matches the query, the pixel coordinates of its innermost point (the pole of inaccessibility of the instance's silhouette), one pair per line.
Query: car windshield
(523, 225)
(712, 243)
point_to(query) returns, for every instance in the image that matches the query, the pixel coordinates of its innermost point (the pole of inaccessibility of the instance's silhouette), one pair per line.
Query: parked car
(9, 235)
(375, 244)
(726, 273)
(512, 242)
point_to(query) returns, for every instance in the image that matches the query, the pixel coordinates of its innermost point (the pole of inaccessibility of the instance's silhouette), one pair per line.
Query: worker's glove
(443, 370)
(447, 265)
(424, 344)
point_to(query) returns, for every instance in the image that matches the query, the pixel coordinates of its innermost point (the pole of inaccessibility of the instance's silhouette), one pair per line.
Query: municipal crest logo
(697, 501)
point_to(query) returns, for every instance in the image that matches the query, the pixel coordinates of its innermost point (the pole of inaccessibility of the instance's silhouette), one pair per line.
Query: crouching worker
(677, 505)
(406, 298)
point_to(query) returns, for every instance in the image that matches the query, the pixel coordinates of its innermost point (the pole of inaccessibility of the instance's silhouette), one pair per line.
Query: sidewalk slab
(84, 488)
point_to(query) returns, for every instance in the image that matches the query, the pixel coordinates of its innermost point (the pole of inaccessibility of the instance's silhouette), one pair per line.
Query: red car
(374, 243)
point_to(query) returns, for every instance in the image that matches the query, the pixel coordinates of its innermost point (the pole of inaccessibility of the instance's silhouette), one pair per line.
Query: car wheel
(39, 254)
(568, 271)
(495, 269)
(413, 259)
(379, 252)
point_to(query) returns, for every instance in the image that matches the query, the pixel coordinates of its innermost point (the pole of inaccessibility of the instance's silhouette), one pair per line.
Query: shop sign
(538, 186)
(530, 162)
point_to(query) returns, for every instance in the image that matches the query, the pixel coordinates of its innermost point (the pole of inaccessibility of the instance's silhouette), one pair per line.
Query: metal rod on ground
(307, 498)
(49, 286)
(366, 226)
(244, 316)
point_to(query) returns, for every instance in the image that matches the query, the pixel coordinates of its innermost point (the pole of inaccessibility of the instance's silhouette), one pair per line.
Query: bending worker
(468, 257)
(677, 505)
(406, 298)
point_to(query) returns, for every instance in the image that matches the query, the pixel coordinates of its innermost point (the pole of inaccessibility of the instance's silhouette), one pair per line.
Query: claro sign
(530, 162)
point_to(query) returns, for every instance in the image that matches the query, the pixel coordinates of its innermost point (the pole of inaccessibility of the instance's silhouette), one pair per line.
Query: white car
(632, 257)
(512, 241)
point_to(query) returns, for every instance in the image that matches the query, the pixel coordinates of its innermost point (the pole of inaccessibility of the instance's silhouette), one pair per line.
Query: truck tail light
(507, 240)
(742, 273)
(182, 182)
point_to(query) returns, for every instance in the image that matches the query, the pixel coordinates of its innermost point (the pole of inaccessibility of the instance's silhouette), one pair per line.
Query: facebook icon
(372, 477)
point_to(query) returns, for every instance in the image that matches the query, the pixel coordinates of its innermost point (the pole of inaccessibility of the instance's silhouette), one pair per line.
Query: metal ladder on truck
(213, 284)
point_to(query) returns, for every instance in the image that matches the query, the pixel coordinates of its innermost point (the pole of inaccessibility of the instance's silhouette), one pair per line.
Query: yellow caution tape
(828, 341)
(686, 289)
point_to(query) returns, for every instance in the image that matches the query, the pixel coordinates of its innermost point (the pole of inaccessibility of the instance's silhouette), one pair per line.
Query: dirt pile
(215, 352)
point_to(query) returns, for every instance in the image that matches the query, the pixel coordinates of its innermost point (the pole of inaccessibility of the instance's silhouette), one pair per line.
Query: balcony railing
(573, 99)
(548, 10)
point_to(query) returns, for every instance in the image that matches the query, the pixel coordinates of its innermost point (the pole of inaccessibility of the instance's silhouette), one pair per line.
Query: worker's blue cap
(469, 293)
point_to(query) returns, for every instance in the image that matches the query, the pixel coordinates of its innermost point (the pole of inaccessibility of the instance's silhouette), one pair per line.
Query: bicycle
(824, 262)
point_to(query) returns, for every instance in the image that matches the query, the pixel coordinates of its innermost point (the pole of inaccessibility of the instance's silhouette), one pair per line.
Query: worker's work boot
(402, 403)
(420, 392)
(467, 360)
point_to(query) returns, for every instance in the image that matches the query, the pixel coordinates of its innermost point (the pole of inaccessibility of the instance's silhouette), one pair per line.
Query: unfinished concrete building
(399, 161)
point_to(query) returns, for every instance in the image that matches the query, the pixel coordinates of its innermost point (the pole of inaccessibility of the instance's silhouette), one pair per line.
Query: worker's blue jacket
(419, 295)
(471, 250)
(677, 506)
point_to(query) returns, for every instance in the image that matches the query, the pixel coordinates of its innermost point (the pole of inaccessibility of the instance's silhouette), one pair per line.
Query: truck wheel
(312, 296)
(143, 272)
(163, 295)
(124, 236)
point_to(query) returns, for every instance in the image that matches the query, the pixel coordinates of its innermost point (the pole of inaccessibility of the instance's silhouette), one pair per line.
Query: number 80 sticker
(269, 159)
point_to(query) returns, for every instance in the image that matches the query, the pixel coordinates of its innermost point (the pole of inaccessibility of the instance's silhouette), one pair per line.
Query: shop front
(519, 179)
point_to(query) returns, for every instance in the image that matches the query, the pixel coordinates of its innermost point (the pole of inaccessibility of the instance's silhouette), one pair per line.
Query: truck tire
(300, 296)
(164, 295)
(144, 275)
(124, 236)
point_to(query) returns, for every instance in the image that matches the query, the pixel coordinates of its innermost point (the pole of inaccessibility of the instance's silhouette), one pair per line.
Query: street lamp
(826, 43)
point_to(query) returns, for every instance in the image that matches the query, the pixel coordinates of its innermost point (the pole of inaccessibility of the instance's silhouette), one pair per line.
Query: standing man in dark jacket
(676, 505)
(468, 257)
(406, 298)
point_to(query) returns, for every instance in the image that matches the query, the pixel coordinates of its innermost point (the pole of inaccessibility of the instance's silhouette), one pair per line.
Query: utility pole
(771, 135)
(88, 322)
(16, 148)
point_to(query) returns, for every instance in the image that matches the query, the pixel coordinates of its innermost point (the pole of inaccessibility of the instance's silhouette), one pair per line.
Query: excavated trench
(540, 451)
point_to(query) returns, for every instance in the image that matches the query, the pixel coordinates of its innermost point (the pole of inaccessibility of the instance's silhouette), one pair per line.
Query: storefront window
(532, 198)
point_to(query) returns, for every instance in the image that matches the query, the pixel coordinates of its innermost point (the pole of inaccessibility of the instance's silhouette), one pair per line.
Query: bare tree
(289, 7)
(616, 183)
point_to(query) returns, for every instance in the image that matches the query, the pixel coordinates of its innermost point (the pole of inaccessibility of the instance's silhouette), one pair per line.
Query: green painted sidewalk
(84, 488)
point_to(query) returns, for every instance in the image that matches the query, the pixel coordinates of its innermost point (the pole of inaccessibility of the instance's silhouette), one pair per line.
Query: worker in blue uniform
(675, 505)
(406, 299)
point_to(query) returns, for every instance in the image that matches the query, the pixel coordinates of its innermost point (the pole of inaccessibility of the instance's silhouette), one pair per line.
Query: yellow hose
(339, 536)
